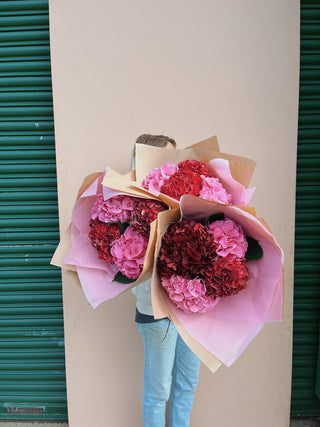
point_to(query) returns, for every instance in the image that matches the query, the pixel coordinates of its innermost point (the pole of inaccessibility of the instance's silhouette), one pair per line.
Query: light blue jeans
(171, 371)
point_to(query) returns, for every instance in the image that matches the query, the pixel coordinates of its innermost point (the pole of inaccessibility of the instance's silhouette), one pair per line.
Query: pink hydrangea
(117, 208)
(213, 190)
(188, 295)
(128, 253)
(156, 178)
(229, 238)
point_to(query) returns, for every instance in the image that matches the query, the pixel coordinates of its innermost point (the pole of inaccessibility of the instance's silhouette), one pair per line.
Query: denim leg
(159, 350)
(185, 377)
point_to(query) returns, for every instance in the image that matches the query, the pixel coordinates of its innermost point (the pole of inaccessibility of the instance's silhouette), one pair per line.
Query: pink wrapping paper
(227, 330)
(220, 168)
(224, 338)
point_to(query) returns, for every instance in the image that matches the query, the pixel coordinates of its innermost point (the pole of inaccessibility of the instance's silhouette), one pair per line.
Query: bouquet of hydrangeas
(217, 275)
(112, 240)
(200, 263)
(200, 170)
(217, 269)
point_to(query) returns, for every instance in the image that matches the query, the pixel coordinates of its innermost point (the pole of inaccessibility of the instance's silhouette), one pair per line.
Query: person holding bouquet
(171, 369)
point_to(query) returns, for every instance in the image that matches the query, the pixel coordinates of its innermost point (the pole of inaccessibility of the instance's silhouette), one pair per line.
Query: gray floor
(305, 422)
(33, 424)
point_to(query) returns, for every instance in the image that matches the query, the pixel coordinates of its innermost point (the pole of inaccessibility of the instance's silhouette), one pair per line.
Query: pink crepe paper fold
(96, 275)
(220, 168)
(224, 338)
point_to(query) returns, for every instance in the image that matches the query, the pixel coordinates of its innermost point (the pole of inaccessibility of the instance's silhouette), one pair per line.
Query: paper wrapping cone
(129, 182)
(76, 253)
(225, 331)
(234, 172)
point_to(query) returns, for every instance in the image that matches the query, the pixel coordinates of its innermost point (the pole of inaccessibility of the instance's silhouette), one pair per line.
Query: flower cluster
(198, 264)
(194, 166)
(157, 177)
(187, 247)
(116, 208)
(128, 253)
(189, 177)
(229, 238)
(144, 212)
(189, 295)
(102, 235)
(119, 230)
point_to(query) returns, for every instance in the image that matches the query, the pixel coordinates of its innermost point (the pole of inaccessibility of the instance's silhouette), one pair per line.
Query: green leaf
(123, 225)
(121, 278)
(254, 251)
(214, 217)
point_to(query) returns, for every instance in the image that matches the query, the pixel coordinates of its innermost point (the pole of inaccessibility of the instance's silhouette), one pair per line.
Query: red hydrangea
(182, 182)
(102, 235)
(144, 212)
(187, 248)
(194, 166)
(228, 276)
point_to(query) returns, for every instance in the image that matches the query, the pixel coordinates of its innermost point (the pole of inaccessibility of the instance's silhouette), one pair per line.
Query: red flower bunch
(194, 166)
(189, 252)
(186, 248)
(144, 213)
(228, 276)
(182, 182)
(102, 235)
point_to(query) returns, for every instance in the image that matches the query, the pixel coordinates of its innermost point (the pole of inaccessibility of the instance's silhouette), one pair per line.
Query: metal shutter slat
(32, 368)
(307, 268)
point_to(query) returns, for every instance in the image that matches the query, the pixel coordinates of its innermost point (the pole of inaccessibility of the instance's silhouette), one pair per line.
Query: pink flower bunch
(229, 238)
(188, 295)
(213, 190)
(189, 177)
(117, 208)
(128, 253)
(156, 178)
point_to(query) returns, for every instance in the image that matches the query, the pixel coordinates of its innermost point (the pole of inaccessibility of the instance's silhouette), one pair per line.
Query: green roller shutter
(307, 246)
(32, 369)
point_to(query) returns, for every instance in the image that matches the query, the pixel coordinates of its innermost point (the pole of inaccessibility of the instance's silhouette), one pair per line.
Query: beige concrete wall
(188, 69)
